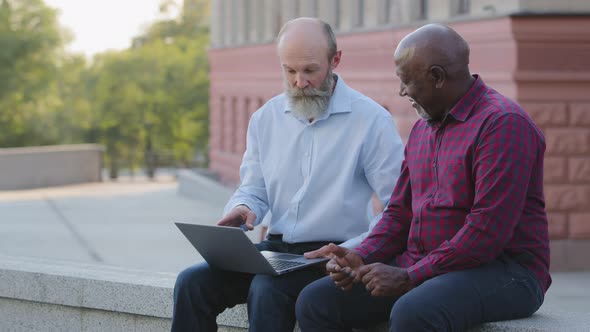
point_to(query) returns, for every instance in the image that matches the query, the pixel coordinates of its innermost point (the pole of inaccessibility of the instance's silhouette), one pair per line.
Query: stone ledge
(52, 148)
(545, 320)
(48, 166)
(87, 286)
(39, 294)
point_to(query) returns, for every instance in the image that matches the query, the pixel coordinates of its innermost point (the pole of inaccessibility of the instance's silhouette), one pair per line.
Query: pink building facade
(542, 61)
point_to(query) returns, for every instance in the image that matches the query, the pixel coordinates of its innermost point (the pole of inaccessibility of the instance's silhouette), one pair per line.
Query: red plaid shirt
(470, 190)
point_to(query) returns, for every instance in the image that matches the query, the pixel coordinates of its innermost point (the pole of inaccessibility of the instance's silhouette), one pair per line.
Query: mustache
(308, 92)
(323, 91)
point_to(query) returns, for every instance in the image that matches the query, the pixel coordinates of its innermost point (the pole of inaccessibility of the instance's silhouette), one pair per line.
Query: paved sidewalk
(128, 223)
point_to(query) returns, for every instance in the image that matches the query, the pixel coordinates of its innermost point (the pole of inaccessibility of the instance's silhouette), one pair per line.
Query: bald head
(433, 66)
(435, 44)
(307, 33)
(307, 53)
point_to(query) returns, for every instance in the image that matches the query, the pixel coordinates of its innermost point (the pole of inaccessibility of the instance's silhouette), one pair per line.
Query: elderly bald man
(464, 239)
(315, 154)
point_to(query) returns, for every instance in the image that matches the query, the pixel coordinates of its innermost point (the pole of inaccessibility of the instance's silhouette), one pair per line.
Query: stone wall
(45, 166)
(553, 80)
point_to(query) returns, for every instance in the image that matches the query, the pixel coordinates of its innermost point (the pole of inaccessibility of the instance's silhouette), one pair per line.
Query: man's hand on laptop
(325, 251)
(240, 216)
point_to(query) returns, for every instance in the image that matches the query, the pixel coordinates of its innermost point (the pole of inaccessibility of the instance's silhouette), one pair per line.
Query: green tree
(153, 97)
(30, 44)
(147, 104)
(73, 117)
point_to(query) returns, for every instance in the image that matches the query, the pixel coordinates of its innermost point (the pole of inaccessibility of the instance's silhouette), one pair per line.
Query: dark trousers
(456, 301)
(202, 292)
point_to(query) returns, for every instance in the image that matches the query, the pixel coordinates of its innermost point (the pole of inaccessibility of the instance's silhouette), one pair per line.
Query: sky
(100, 25)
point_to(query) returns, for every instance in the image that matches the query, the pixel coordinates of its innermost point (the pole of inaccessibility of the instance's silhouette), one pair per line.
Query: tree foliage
(147, 104)
(30, 42)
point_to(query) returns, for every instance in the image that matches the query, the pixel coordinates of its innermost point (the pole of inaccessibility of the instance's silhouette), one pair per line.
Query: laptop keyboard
(282, 265)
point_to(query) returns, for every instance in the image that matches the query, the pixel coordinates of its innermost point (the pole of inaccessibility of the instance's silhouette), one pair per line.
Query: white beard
(310, 103)
(422, 113)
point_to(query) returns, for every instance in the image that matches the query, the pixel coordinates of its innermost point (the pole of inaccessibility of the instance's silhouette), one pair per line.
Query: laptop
(228, 248)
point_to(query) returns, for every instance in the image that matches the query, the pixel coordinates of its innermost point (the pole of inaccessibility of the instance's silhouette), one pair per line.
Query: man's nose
(301, 81)
(402, 90)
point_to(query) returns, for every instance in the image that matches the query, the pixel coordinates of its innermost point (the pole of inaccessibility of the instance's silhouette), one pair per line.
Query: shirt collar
(339, 101)
(465, 105)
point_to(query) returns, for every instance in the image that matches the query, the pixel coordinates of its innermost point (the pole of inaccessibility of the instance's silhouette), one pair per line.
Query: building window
(387, 14)
(360, 16)
(463, 7)
(423, 9)
(233, 127)
(221, 124)
(245, 116)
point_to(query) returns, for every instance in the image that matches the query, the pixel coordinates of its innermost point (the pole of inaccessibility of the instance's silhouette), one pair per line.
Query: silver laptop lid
(229, 248)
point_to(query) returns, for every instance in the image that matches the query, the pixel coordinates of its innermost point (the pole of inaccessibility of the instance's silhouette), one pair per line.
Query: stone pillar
(289, 10)
(255, 12)
(376, 13)
(351, 14)
(308, 8)
(405, 11)
(216, 23)
(439, 10)
(229, 22)
(272, 19)
(383, 11)
(241, 20)
(328, 11)
(486, 7)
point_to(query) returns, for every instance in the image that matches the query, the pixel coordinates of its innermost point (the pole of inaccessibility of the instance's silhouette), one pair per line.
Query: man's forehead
(404, 54)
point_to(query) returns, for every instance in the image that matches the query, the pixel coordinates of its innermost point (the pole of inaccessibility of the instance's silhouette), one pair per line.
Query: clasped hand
(347, 267)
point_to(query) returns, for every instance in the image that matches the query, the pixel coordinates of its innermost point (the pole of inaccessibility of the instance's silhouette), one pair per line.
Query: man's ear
(336, 60)
(439, 76)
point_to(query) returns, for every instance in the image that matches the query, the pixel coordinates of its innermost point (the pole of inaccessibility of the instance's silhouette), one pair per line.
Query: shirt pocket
(455, 183)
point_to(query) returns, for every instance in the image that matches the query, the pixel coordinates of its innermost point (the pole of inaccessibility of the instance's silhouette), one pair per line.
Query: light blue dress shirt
(316, 178)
